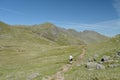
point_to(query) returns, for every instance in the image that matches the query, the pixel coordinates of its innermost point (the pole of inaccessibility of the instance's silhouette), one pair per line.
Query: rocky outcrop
(111, 61)
(94, 65)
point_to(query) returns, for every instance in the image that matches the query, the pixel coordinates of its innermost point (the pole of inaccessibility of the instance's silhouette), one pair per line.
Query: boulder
(100, 66)
(105, 58)
(94, 65)
(91, 65)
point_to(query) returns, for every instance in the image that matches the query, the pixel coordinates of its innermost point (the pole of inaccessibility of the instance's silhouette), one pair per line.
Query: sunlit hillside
(38, 51)
(109, 48)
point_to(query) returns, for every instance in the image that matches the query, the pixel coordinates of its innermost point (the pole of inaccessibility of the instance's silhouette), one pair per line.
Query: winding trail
(81, 56)
(60, 74)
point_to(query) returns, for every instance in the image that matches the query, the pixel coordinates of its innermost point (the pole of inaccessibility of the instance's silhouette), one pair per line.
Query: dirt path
(60, 74)
(81, 56)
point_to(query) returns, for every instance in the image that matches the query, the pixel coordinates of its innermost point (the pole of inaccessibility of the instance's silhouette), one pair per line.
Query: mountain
(64, 36)
(10, 34)
(38, 51)
(55, 34)
(50, 33)
(92, 37)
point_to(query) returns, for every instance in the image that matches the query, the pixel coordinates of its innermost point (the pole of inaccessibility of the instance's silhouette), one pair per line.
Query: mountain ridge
(56, 34)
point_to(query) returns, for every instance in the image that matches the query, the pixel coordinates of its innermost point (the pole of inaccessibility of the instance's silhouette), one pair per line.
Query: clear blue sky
(76, 14)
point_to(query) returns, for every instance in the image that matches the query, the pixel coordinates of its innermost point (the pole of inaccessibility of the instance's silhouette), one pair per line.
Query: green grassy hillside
(24, 54)
(67, 37)
(109, 48)
(90, 37)
(14, 34)
(105, 48)
(38, 50)
(58, 35)
(49, 33)
(18, 62)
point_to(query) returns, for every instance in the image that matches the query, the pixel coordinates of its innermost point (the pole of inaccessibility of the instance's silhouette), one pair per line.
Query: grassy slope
(20, 61)
(23, 53)
(90, 37)
(58, 35)
(33, 58)
(67, 37)
(106, 48)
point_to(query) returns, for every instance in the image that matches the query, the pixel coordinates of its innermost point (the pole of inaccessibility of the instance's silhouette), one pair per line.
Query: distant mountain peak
(89, 31)
(56, 34)
(48, 24)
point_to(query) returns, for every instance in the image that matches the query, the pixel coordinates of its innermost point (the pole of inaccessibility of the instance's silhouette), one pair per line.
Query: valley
(39, 51)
